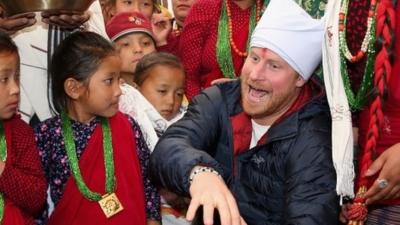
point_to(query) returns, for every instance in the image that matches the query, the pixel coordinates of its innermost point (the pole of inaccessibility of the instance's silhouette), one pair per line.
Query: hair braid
(384, 31)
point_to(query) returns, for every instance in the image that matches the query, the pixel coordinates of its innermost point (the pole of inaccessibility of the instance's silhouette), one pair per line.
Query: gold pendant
(110, 205)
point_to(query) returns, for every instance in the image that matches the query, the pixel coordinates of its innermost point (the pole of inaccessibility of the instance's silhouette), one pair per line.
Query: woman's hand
(388, 166)
(209, 190)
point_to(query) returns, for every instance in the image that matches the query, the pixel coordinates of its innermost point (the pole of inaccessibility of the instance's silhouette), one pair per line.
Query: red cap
(127, 23)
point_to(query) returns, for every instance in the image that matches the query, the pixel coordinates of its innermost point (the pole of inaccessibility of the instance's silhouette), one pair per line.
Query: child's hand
(66, 19)
(162, 27)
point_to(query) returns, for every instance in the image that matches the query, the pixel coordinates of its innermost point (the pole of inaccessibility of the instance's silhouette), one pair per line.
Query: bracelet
(202, 169)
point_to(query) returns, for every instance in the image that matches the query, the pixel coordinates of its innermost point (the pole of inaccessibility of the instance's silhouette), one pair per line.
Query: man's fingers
(234, 211)
(193, 206)
(208, 214)
(224, 212)
(242, 222)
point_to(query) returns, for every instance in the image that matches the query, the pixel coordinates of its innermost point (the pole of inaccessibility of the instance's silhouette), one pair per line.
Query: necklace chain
(358, 100)
(3, 157)
(225, 39)
(368, 34)
(251, 26)
(74, 163)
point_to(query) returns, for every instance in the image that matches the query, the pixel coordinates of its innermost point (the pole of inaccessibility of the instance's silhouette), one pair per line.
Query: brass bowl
(13, 7)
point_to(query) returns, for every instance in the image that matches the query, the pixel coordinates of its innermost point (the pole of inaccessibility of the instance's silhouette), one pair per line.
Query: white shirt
(257, 133)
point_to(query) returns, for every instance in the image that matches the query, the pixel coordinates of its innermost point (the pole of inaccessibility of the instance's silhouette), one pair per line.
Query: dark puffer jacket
(290, 179)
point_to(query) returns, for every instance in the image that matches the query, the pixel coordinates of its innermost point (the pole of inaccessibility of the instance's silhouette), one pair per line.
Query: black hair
(78, 56)
(112, 3)
(7, 44)
(152, 60)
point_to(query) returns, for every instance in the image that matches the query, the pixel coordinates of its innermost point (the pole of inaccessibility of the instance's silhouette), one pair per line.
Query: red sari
(74, 208)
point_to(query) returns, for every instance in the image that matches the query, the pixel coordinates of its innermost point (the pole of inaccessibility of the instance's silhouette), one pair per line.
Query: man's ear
(300, 81)
(73, 88)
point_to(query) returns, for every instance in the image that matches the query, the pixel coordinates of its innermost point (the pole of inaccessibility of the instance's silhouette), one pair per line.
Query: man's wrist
(201, 169)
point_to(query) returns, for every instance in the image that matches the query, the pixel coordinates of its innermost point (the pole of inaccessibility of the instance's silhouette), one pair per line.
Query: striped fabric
(55, 36)
(384, 215)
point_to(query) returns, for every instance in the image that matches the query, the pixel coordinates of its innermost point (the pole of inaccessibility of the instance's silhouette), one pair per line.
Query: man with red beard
(258, 150)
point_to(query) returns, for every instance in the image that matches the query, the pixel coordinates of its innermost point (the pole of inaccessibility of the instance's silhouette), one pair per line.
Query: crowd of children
(114, 78)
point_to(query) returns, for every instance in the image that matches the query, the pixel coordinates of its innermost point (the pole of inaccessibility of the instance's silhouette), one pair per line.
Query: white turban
(289, 31)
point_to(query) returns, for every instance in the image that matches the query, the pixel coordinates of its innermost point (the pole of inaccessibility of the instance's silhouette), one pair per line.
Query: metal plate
(13, 7)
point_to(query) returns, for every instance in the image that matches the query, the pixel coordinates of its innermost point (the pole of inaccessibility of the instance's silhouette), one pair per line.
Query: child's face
(145, 7)
(132, 48)
(164, 89)
(9, 84)
(99, 97)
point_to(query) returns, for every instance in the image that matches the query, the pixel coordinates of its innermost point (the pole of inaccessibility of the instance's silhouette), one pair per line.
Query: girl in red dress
(94, 156)
(22, 181)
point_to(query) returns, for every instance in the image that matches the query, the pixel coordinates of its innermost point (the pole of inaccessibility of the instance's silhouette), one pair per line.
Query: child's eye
(147, 3)
(4, 79)
(127, 2)
(109, 81)
(162, 91)
(180, 93)
(146, 43)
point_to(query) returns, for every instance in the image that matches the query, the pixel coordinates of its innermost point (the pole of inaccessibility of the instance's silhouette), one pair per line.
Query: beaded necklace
(357, 101)
(109, 202)
(225, 38)
(3, 157)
